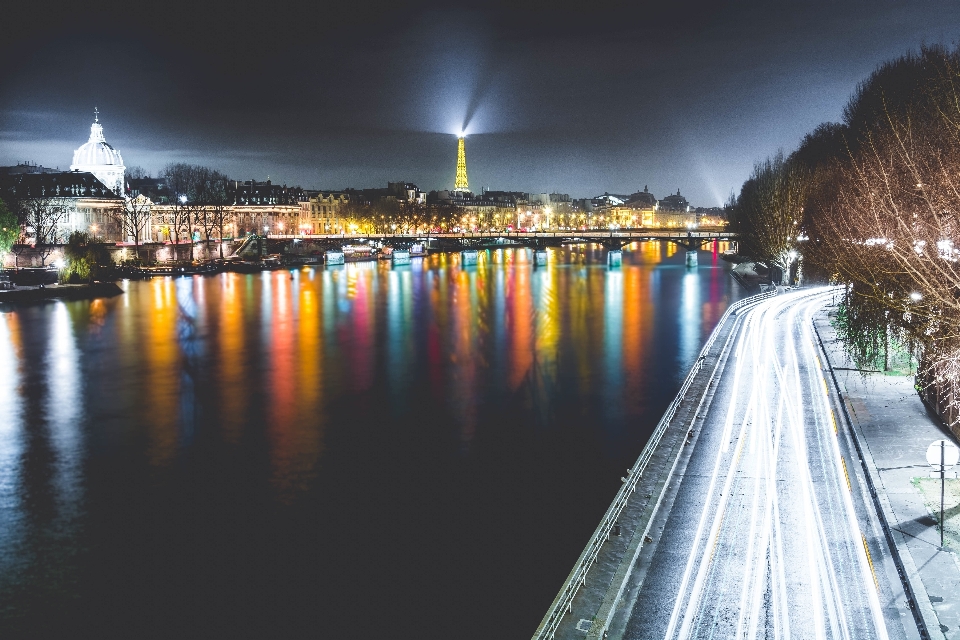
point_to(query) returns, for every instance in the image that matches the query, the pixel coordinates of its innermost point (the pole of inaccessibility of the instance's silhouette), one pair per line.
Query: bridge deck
(635, 234)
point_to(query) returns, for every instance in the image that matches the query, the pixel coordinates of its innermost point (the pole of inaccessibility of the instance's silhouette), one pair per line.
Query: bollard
(614, 258)
(468, 257)
(691, 258)
(333, 257)
(400, 257)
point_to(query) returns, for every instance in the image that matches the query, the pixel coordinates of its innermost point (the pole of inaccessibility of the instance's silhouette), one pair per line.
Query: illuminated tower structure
(460, 184)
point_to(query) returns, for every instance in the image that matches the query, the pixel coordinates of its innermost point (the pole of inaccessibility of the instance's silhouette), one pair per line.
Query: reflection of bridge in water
(469, 242)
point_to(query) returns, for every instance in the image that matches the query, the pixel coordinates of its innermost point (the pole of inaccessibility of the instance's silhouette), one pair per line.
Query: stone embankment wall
(152, 252)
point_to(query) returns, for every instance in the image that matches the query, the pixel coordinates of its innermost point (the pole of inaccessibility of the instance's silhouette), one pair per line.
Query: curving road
(769, 534)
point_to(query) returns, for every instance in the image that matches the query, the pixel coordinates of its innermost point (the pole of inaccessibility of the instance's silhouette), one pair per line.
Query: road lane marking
(866, 549)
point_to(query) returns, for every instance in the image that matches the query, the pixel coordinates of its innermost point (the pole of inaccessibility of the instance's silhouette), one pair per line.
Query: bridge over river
(613, 240)
(749, 513)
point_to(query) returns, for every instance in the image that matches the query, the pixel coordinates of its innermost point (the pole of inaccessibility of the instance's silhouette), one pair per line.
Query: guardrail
(563, 603)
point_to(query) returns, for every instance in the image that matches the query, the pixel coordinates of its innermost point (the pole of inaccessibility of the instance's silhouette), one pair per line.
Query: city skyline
(572, 100)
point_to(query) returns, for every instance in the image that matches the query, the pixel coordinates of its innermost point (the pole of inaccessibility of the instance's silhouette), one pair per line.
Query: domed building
(96, 156)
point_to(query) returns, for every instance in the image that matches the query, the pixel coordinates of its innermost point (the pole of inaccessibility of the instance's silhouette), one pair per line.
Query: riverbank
(22, 295)
(883, 423)
(606, 575)
(894, 428)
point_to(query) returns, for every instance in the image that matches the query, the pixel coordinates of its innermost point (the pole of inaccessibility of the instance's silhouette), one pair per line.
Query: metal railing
(563, 603)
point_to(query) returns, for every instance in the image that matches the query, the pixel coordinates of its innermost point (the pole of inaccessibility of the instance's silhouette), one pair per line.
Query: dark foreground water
(353, 452)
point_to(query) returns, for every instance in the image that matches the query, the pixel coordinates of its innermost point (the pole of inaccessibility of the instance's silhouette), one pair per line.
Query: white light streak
(778, 440)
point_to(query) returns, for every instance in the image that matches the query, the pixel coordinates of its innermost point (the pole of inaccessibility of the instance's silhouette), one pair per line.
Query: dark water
(356, 452)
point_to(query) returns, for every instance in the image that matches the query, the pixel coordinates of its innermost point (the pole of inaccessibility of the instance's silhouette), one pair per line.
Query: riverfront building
(78, 201)
(87, 198)
(323, 212)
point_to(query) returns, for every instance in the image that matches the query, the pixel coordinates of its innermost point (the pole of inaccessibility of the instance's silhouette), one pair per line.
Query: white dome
(96, 151)
(100, 159)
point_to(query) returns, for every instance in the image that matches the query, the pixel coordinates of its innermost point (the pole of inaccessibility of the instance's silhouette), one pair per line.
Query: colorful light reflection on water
(333, 451)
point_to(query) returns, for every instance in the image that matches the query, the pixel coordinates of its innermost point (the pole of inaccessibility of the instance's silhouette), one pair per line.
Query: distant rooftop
(26, 167)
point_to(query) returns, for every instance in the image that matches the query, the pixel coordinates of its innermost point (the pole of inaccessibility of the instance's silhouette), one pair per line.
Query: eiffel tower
(461, 182)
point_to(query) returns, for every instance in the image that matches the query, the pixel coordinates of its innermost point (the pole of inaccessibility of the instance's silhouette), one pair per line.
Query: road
(768, 533)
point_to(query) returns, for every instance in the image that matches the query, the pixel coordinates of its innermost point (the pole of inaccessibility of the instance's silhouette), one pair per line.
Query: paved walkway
(894, 429)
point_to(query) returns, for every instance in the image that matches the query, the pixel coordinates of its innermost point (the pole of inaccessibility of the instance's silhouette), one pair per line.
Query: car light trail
(777, 550)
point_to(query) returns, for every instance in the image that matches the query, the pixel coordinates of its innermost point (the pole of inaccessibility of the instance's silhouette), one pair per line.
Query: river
(355, 452)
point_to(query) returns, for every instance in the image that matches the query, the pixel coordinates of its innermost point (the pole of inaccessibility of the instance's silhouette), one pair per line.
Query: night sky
(584, 100)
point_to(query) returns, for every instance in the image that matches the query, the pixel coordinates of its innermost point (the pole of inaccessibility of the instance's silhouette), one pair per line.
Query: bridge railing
(563, 603)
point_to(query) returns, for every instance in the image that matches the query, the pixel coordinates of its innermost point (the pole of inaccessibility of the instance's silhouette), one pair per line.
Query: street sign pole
(942, 455)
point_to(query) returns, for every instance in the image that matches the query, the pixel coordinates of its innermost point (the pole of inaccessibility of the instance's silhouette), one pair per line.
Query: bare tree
(42, 217)
(17, 250)
(769, 210)
(136, 173)
(892, 231)
(185, 184)
(216, 205)
(132, 217)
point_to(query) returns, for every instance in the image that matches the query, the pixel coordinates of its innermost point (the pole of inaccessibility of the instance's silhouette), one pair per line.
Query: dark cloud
(597, 97)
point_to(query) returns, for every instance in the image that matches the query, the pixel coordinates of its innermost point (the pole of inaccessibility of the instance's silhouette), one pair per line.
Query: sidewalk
(894, 429)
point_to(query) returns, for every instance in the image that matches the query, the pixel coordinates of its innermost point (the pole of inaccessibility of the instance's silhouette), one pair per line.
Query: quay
(594, 589)
(772, 448)
(22, 295)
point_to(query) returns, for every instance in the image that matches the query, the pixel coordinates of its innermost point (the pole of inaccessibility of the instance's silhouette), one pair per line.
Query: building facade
(322, 213)
(81, 200)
